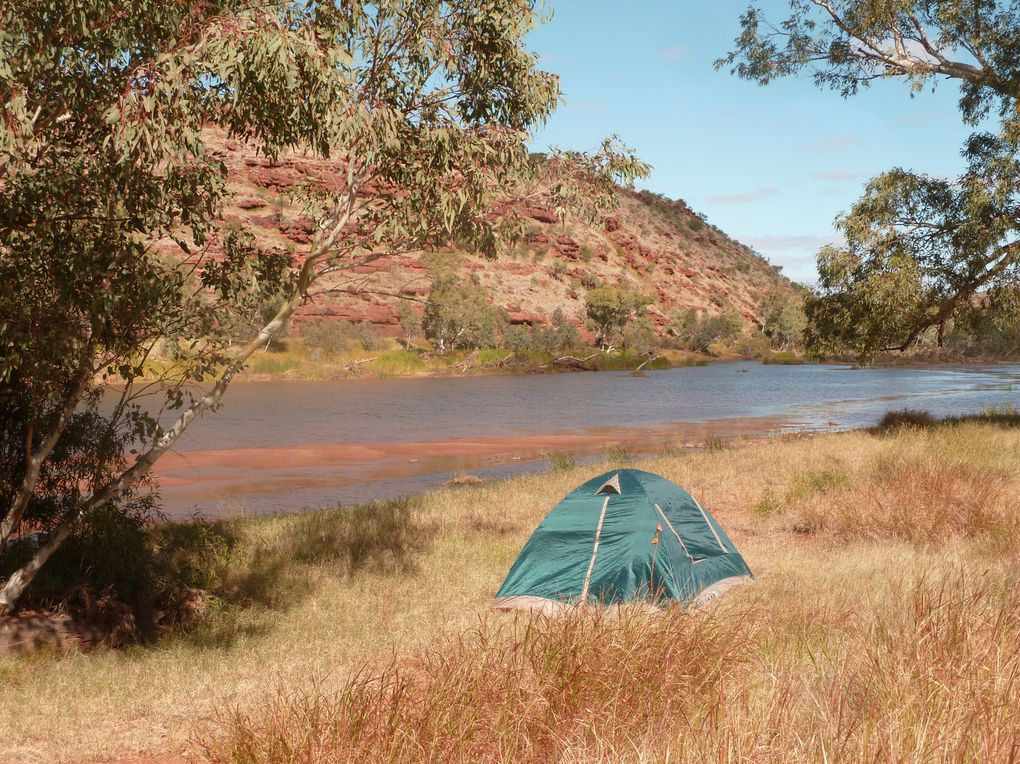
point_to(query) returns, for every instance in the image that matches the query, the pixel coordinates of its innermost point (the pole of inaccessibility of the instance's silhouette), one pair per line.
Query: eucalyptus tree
(423, 108)
(609, 308)
(921, 250)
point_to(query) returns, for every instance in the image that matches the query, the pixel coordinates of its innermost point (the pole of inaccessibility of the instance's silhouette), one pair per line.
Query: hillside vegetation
(883, 625)
(656, 246)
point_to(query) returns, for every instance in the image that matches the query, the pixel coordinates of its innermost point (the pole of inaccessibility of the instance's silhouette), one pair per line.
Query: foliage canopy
(920, 250)
(110, 243)
(610, 308)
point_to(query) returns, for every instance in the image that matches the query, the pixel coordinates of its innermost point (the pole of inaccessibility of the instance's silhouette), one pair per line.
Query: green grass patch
(269, 363)
(397, 362)
(819, 482)
(768, 504)
(561, 462)
(783, 359)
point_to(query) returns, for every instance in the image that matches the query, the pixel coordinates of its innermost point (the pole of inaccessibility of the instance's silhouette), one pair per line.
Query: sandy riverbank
(216, 481)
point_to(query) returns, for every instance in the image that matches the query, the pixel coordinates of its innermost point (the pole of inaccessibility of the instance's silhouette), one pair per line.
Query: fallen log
(354, 367)
(573, 362)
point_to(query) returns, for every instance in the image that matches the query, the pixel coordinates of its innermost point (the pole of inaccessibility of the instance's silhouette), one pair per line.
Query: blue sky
(770, 166)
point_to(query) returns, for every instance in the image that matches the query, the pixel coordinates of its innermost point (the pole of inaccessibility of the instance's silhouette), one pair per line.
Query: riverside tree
(921, 250)
(458, 314)
(609, 309)
(783, 319)
(423, 108)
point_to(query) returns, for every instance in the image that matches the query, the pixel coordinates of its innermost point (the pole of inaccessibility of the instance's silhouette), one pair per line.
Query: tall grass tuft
(933, 675)
(532, 689)
(620, 455)
(561, 462)
(917, 499)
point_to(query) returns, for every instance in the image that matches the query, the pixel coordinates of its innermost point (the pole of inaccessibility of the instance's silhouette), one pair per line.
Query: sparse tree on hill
(920, 249)
(423, 107)
(698, 333)
(639, 335)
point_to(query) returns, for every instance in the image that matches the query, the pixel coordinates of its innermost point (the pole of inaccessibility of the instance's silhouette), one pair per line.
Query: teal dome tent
(625, 536)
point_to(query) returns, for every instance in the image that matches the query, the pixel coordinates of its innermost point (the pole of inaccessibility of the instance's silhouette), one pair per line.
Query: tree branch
(34, 458)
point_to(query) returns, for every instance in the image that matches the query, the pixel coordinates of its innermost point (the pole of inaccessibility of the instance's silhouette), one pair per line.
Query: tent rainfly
(625, 536)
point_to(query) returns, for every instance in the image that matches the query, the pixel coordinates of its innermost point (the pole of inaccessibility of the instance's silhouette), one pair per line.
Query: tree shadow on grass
(254, 570)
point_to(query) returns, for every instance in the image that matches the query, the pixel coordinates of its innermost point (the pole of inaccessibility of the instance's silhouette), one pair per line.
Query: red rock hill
(655, 245)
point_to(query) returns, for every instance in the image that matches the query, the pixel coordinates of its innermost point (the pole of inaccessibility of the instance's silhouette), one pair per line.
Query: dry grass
(931, 680)
(530, 690)
(920, 499)
(883, 626)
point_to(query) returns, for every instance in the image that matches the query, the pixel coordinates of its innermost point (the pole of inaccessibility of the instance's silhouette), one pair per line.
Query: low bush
(336, 336)
(907, 418)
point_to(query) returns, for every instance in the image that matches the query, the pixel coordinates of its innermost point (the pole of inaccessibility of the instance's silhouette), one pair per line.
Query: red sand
(209, 476)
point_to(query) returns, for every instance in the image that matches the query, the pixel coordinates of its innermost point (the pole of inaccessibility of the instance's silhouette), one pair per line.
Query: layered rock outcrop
(652, 244)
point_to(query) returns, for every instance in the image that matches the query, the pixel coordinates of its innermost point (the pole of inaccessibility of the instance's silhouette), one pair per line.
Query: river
(282, 446)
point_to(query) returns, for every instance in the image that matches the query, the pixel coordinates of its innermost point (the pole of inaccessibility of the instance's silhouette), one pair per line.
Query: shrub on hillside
(994, 333)
(690, 331)
(559, 337)
(639, 335)
(610, 309)
(755, 345)
(410, 321)
(783, 319)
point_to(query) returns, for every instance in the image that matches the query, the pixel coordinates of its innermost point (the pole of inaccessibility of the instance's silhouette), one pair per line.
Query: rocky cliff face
(652, 244)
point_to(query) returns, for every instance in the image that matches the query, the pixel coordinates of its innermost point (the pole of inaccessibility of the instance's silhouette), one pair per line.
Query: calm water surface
(294, 418)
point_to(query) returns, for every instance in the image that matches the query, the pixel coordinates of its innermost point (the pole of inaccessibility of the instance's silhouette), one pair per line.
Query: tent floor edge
(711, 593)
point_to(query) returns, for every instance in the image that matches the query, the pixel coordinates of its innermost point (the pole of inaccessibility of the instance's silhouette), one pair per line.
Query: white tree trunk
(329, 230)
(321, 246)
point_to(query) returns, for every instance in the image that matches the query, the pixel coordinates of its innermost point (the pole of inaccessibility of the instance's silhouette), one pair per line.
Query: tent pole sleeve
(594, 551)
(710, 526)
(670, 526)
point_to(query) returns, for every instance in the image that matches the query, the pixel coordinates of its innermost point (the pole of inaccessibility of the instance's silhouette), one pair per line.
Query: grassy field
(884, 625)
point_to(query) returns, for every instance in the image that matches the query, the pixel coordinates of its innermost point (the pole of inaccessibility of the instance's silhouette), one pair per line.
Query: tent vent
(611, 486)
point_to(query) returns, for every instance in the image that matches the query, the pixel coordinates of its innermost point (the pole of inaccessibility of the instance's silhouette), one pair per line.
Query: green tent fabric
(624, 536)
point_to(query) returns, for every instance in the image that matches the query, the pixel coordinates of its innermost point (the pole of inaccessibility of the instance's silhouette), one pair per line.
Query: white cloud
(922, 117)
(753, 196)
(835, 176)
(790, 243)
(674, 53)
(835, 143)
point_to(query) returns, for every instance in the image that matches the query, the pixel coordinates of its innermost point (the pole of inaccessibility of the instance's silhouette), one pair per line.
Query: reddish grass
(933, 677)
(529, 690)
(937, 680)
(917, 500)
